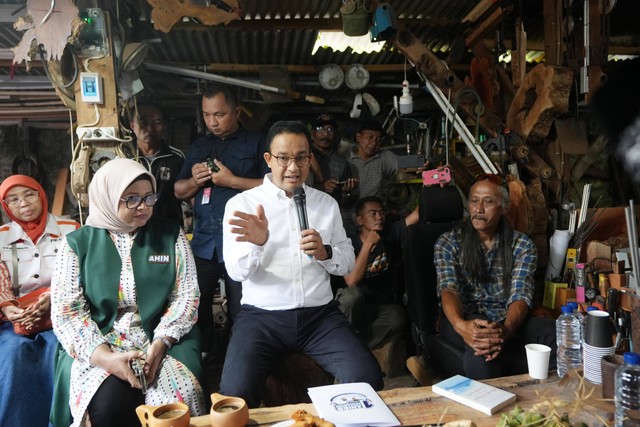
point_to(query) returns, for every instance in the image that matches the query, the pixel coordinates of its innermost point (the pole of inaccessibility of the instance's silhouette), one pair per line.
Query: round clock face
(331, 77)
(356, 77)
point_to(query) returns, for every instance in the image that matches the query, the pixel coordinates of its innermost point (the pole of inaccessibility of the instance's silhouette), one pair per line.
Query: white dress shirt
(278, 275)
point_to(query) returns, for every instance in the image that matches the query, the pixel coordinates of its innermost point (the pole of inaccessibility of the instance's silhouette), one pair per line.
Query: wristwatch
(329, 251)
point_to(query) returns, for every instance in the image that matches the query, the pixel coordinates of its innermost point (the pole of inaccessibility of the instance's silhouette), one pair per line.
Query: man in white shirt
(287, 303)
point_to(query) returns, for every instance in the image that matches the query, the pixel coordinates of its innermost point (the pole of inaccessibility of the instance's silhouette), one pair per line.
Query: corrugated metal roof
(285, 31)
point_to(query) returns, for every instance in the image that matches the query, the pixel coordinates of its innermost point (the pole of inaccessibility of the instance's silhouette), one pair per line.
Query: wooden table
(419, 405)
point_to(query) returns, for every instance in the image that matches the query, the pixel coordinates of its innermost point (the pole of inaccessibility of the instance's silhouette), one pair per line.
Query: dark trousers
(262, 338)
(209, 273)
(114, 404)
(513, 359)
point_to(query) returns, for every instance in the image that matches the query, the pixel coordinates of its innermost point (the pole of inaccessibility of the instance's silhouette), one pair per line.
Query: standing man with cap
(375, 167)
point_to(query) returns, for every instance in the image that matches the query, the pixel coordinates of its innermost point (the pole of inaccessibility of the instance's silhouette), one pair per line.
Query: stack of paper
(352, 404)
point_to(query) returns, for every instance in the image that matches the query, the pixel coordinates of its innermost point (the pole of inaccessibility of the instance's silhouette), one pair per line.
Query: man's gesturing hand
(250, 228)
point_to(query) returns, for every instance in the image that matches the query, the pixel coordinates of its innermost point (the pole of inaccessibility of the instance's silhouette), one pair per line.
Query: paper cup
(538, 360)
(598, 329)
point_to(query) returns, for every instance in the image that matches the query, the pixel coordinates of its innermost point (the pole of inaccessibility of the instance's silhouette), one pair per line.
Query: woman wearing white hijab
(124, 289)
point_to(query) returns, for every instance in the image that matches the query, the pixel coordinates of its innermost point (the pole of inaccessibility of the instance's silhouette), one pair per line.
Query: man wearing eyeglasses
(287, 301)
(218, 166)
(158, 157)
(485, 284)
(335, 176)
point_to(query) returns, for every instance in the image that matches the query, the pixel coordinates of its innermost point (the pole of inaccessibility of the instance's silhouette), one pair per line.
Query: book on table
(352, 405)
(474, 394)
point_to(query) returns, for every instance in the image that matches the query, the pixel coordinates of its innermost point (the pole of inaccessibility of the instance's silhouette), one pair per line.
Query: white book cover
(474, 394)
(352, 404)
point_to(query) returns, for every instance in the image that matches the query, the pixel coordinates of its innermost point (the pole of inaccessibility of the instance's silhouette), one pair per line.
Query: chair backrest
(440, 210)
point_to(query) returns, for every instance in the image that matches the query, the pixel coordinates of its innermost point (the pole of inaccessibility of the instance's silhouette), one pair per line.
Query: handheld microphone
(300, 199)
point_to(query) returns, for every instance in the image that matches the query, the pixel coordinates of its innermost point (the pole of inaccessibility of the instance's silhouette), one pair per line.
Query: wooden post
(553, 46)
(519, 56)
(60, 194)
(106, 114)
(597, 48)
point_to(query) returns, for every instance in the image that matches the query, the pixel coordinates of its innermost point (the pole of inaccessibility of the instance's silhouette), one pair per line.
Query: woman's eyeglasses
(28, 197)
(491, 177)
(284, 161)
(134, 202)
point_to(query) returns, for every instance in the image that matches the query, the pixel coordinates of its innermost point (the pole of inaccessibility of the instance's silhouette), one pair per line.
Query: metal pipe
(633, 242)
(480, 156)
(233, 81)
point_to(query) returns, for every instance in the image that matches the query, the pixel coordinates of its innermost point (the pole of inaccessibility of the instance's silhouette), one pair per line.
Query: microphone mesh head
(298, 191)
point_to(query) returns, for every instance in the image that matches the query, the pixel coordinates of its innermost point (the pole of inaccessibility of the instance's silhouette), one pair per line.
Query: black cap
(323, 120)
(371, 124)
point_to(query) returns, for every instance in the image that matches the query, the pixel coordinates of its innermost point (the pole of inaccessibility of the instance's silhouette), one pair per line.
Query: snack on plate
(304, 419)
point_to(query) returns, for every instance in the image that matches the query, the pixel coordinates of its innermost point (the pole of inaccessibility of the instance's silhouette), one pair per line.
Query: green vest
(154, 270)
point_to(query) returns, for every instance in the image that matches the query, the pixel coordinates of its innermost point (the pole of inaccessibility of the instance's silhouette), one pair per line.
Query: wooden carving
(520, 213)
(543, 96)
(166, 13)
(51, 27)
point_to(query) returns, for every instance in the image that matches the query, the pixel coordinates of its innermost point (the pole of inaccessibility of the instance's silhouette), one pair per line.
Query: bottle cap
(573, 305)
(631, 358)
(566, 309)
(591, 308)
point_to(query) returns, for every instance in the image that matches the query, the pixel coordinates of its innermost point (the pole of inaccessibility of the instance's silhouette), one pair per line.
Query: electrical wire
(95, 122)
(45, 64)
(405, 68)
(421, 125)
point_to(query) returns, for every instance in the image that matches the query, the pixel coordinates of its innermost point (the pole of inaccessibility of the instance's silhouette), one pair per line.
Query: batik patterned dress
(80, 336)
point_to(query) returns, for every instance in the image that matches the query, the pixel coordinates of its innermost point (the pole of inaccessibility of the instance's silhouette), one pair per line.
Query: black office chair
(440, 210)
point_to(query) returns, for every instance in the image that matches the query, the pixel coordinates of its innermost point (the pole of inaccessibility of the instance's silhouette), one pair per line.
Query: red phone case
(440, 176)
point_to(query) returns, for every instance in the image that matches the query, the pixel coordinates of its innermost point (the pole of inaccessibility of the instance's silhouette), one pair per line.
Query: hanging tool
(235, 82)
(49, 12)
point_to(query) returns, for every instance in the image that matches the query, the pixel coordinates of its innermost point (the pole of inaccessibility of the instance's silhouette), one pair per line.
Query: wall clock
(356, 77)
(331, 77)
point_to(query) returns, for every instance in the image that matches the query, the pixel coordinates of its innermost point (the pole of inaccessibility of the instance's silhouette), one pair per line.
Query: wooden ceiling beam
(321, 24)
(292, 68)
(478, 10)
(298, 69)
(484, 28)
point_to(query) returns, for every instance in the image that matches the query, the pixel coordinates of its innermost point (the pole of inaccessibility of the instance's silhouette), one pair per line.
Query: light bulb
(406, 100)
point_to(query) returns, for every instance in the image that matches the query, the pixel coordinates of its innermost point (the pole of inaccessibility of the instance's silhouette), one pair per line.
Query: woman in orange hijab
(28, 248)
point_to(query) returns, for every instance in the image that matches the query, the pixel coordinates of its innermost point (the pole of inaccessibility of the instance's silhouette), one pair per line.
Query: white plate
(284, 423)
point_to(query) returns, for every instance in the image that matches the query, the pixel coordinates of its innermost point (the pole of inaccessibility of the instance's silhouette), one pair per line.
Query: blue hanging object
(384, 23)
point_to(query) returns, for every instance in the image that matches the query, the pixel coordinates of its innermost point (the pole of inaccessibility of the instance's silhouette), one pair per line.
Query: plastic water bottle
(568, 338)
(576, 312)
(627, 389)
